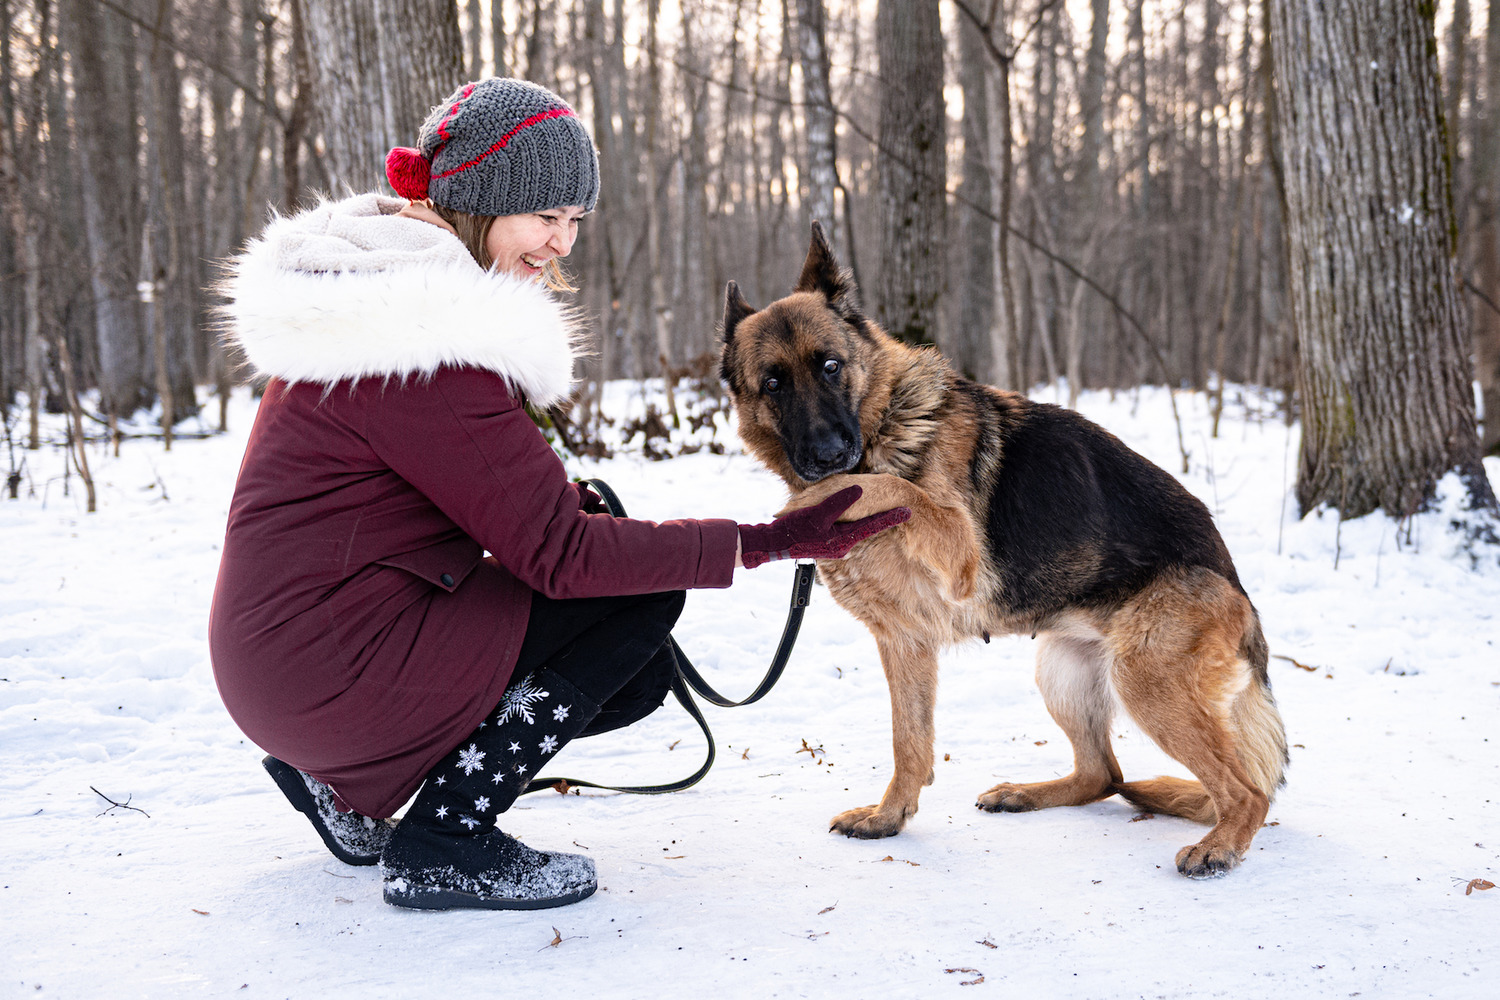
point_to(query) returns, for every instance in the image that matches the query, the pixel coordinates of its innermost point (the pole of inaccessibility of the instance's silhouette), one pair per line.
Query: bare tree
(969, 340)
(104, 87)
(379, 68)
(1385, 379)
(1486, 240)
(818, 113)
(912, 169)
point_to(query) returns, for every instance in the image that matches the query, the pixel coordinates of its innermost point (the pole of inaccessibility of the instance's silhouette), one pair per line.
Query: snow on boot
(426, 869)
(353, 839)
(447, 852)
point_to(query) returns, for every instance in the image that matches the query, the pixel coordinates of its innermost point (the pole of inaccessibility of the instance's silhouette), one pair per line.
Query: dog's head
(798, 370)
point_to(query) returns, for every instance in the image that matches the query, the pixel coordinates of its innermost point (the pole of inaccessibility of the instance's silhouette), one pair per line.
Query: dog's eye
(771, 385)
(831, 367)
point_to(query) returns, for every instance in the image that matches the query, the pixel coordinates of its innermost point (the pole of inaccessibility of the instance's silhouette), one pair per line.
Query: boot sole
(424, 898)
(290, 782)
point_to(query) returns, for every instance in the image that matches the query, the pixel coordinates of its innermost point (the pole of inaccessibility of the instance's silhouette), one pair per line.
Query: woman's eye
(831, 367)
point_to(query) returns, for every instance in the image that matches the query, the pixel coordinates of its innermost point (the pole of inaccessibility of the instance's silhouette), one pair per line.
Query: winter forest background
(1276, 223)
(1099, 194)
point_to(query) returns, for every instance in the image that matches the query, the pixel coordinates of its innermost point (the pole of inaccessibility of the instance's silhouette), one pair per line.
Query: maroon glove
(811, 533)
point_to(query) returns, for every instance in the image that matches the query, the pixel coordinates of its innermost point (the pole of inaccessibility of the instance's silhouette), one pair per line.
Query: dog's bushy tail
(1260, 741)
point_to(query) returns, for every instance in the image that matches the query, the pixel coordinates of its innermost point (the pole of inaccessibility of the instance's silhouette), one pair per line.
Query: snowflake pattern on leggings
(518, 702)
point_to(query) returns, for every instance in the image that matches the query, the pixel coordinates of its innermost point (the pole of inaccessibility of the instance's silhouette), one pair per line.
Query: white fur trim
(349, 291)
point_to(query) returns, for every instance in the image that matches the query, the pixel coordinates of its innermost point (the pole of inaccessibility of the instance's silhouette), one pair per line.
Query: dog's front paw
(1006, 797)
(867, 823)
(1202, 860)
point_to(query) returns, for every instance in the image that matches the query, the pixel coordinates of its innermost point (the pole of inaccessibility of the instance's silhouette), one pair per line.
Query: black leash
(689, 680)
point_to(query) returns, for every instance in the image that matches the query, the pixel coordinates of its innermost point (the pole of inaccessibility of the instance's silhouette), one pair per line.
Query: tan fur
(1182, 653)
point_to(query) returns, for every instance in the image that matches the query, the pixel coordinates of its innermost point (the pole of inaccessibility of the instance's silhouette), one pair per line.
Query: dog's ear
(821, 272)
(735, 309)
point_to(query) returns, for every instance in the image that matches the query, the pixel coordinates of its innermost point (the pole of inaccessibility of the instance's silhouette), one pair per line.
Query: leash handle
(688, 680)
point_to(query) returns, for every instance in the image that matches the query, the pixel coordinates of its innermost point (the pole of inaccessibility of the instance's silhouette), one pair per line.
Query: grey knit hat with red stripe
(499, 147)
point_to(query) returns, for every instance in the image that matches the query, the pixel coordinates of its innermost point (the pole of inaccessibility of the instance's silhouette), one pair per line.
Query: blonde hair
(473, 230)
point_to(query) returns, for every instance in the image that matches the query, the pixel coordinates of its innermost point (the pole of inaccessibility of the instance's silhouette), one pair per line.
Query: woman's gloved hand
(589, 501)
(814, 532)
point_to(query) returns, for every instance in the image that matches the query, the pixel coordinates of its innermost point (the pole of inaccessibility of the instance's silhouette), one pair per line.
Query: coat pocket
(444, 565)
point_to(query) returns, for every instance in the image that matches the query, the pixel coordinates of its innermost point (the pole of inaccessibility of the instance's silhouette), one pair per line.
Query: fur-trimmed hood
(350, 290)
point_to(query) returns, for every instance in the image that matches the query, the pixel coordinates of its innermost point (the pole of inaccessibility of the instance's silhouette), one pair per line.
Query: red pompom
(408, 171)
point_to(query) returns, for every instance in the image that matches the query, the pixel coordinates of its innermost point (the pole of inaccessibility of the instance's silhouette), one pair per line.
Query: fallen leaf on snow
(812, 751)
(1477, 883)
(201, 913)
(902, 860)
(828, 909)
(1142, 815)
(979, 976)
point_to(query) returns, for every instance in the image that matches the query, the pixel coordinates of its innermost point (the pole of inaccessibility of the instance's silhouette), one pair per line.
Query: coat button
(447, 579)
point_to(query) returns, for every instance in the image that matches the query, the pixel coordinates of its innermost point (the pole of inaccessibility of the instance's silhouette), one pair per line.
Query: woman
(359, 634)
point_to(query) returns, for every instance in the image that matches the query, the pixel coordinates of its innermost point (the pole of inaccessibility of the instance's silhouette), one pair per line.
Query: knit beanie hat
(499, 147)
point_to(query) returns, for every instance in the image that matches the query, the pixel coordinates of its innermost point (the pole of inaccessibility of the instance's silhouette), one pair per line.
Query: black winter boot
(353, 839)
(447, 853)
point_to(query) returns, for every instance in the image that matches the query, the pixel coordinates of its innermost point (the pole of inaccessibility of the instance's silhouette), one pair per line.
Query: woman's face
(522, 244)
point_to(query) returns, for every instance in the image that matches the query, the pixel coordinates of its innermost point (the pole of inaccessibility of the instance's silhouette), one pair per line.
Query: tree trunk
(970, 342)
(497, 37)
(107, 154)
(174, 305)
(911, 168)
(475, 39)
(23, 193)
(658, 305)
(1385, 379)
(691, 310)
(1486, 240)
(380, 66)
(1091, 101)
(817, 97)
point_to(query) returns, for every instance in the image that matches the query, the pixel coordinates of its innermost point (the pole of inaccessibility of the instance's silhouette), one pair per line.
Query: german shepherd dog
(1026, 519)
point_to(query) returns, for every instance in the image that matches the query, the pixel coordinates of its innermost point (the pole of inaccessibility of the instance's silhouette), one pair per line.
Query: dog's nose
(831, 449)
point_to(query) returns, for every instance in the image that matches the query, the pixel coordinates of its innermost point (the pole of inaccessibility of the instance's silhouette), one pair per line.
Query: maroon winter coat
(357, 630)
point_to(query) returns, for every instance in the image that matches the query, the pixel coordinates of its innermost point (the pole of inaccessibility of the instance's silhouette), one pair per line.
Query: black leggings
(612, 649)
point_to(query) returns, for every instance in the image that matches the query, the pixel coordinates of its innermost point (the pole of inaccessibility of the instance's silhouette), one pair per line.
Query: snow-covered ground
(213, 886)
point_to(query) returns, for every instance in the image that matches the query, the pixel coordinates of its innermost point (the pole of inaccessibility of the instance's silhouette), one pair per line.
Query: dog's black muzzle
(825, 452)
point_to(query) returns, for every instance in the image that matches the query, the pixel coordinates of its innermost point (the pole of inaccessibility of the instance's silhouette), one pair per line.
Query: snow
(207, 883)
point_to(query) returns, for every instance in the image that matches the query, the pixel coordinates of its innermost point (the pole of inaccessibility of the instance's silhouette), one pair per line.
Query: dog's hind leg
(1181, 673)
(911, 674)
(1073, 673)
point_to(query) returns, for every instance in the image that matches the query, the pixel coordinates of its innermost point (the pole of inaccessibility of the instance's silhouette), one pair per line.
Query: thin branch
(113, 805)
(1482, 297)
